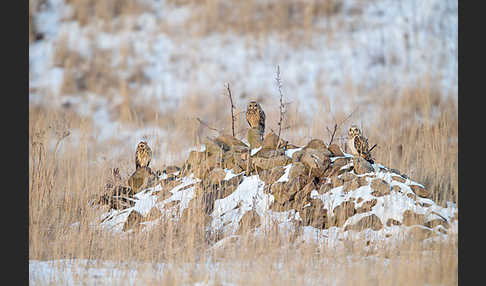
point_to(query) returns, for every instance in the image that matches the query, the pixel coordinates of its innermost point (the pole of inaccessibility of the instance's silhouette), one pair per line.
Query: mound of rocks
(233, 189)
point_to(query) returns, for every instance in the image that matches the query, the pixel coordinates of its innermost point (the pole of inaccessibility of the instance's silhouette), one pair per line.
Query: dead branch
(232, 107)
(369, 151)
(206, 125)
(279, 86)
(337, 126)
(332, 134)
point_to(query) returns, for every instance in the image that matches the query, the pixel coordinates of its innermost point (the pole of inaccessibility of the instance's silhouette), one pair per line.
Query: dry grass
(417, 136)
(416, 130)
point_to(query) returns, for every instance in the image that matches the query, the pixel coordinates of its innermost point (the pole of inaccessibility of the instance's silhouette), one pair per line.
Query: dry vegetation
(417, 136)
(416, 130)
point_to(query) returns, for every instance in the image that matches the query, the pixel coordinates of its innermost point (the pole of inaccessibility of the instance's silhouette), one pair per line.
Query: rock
(342, 212)
(366, 206)
(217, 175)
(380, 187)
(171, 169)
(133, 221)
(302, 197)
(412, 196)
(270, 142)
(139, 180)
(411, 218)
(396, 188)
(280, 192)
(284, 192)
(362, 181)
(314, 215)
(117, 198)
(316, 153)
(207, 193)
(269, 153)
(297, 155)
(316, 162)
(297, 169)
(324, 188)
(291, 146)
(361, 166)
(399, 179)
(228, 142)
(270, 163)
(435, 222)
(371, 221)
(348, 177)
(420, 233)
(254, 138)
(241, 162)
(319, 145)
(421, 192)
(248, 222)
(213, 160)
(214, 148)
(335, 167)
(339, 162)
(193, 160)
(200, 171)
(336, 182)
(423, 204)
(271, 175)
(335, 150)
(391, 222)
(350, 185)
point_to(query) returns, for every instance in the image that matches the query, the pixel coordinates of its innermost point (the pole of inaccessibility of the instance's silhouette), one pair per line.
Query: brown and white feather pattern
(256, 117)
(143, 155)
(357, 144)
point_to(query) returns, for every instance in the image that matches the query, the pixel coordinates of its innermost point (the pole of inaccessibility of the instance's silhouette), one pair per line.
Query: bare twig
(332, 133)
(369, 151)
(337, 126)
(279, 86)
(206, 125)
(232, 107)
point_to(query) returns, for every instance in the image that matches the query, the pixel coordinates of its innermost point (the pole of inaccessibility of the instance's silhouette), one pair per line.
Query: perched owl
(256, 117)
(357, 144)
(143, 155)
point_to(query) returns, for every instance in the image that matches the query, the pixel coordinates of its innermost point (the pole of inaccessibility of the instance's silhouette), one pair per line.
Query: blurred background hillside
(114, 72)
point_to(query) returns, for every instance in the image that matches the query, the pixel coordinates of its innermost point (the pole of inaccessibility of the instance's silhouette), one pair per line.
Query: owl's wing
(262, 119)
(247, 120)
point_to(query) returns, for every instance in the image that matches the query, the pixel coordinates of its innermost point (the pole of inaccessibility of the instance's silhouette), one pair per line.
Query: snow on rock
(339, 204)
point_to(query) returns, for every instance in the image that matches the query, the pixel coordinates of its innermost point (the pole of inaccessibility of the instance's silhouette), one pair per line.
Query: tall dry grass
(416, 132)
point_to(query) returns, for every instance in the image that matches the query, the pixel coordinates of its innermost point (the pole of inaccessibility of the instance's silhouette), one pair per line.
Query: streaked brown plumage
(143, 155)
(256, 117)
(357, 144)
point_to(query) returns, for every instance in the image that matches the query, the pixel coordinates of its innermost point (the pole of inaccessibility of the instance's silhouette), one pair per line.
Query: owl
(143, 155)
(256, 117)
(357, 144)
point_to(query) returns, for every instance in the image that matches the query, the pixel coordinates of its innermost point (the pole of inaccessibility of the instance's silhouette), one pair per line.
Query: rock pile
(235, 188)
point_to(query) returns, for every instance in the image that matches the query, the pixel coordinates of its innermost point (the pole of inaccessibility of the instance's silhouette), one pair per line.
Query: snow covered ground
(396, 43)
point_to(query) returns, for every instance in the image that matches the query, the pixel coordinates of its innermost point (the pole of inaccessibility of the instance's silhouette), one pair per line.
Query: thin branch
(279, 86)
(337, 126)
(332, 133)
(232, 107)
(206, 125)
(369, 151)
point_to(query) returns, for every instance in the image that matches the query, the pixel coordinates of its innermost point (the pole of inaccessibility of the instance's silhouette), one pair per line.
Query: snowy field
(156, 61)
(389, 43)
